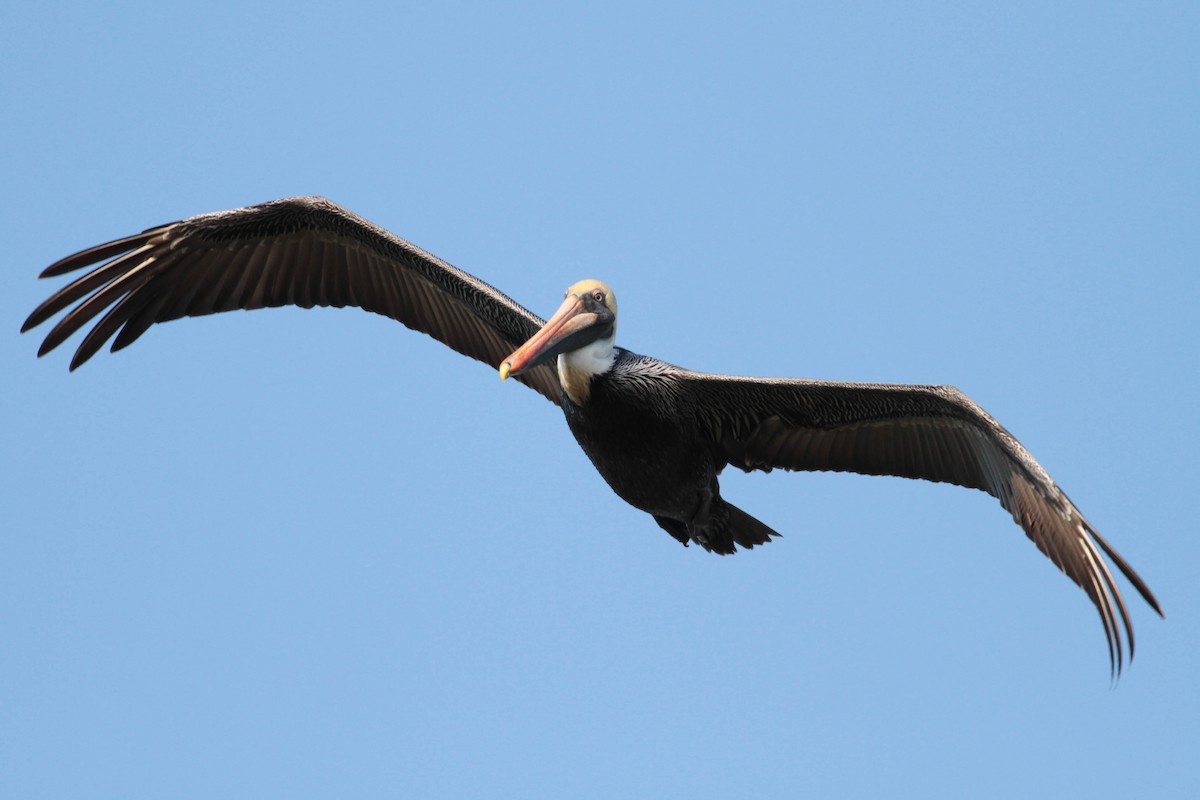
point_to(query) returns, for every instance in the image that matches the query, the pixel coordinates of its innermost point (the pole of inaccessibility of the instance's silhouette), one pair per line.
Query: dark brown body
(643, 437)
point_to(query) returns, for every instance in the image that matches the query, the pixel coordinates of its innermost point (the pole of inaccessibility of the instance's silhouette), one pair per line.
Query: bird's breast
(642, 446)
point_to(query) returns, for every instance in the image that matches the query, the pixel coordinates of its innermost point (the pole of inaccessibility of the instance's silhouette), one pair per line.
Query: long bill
(571, 327)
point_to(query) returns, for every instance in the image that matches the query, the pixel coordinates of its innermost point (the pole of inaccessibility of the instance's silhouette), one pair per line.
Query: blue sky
(295, 553)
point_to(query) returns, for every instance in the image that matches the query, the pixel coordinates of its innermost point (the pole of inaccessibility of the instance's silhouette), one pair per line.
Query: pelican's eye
(598, 296)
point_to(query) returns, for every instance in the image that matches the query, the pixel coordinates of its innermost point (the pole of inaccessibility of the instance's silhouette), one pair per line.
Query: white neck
(577, 368)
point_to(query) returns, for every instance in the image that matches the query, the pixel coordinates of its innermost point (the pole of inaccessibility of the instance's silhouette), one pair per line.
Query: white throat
(577, 368)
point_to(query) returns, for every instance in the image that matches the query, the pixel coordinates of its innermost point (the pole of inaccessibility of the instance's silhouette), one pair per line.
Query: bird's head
(587, 316)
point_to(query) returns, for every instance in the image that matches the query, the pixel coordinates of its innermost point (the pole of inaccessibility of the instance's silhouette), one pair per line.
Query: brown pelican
(658, 434)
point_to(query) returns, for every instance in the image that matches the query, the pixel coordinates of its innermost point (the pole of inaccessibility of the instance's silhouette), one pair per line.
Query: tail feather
(726, 526)
(746, 530)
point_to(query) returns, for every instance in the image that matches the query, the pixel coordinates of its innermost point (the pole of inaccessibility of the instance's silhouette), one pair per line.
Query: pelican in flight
(657, 433)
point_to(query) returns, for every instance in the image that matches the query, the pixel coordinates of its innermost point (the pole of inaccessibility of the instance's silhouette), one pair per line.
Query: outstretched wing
(302, 251)
(933, 433)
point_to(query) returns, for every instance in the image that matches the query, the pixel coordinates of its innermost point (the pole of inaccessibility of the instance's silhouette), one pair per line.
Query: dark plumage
(658, 434)
(303, 251)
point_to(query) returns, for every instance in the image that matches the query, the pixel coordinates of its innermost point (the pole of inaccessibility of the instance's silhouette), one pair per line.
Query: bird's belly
(647, 462)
